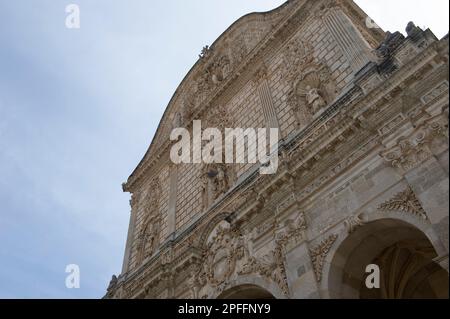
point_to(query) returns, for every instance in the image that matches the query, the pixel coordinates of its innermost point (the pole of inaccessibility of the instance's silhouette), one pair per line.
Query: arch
(246, 292)
(249, 284)
(404, 254)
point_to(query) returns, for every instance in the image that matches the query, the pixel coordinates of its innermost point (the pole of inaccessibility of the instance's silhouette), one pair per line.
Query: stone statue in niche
(148, 240)
(312, 86)
(312, 91)
(215, 182)
(314, 99)
(221, 179)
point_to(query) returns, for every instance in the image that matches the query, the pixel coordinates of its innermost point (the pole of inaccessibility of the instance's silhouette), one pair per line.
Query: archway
(404, 255)
(246, 292)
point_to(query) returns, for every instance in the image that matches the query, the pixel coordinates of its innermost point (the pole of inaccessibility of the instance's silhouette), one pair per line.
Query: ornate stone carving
(220, 69)
(312, 87)
(217, 66)
(437, 91)
(215, 182)
(228, 254)
(270, 266)
(148, 238)
(406, 202)
(407, 154)
(218, 117)
(354, 222)
(391, 42)
(319, 253)
(319, 158)
(292, 231)
(206, 50)
(223, 252)
(411, 151)
(238, 51)
(297, 54)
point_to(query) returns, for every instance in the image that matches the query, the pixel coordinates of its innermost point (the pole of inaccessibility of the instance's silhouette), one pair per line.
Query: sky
(78, 110)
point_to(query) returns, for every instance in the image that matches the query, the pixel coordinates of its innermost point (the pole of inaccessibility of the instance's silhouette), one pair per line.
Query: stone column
(352, 43)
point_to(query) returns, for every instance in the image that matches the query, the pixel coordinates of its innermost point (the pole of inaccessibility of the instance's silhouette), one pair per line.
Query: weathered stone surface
(363, 119)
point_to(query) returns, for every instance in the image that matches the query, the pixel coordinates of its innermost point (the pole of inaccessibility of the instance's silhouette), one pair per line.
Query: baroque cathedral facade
(363, 166)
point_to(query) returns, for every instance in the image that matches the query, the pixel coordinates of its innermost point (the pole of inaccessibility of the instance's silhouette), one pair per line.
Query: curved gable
(226, 59)
(215, 64)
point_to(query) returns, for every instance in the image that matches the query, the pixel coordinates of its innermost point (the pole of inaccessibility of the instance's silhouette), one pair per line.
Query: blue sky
(78, 109)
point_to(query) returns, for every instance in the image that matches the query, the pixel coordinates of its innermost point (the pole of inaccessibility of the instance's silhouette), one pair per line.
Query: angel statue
(311, 93)
(314, 99)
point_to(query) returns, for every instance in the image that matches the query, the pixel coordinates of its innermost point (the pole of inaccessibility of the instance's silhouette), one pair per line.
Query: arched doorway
(404, 255)
(246, 292)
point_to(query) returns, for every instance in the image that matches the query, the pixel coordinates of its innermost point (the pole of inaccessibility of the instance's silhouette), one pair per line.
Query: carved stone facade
(363, 174)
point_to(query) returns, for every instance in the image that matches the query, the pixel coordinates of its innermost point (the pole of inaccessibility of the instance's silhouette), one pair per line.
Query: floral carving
(407, 202)
(412, 150)
(319, 254)
(270, 266)
(215, 182)
(221, 256)
(292, 231)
